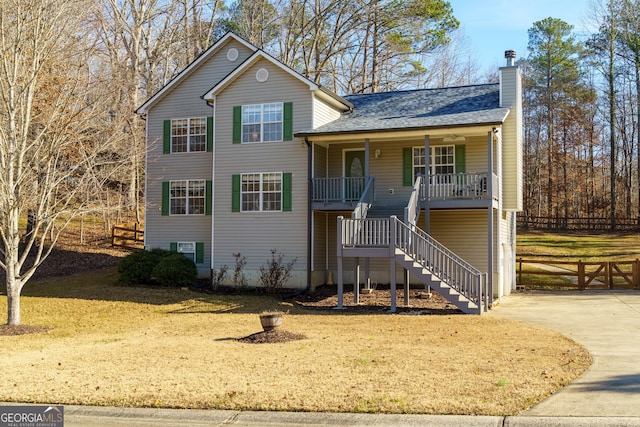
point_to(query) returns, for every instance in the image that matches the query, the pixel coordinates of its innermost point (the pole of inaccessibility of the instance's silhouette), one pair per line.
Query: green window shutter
(407, 166)
(166, 137)
(173, 246)
(237, 125)
(286, 192)
(287, 121)
(199, 252)
(235, 193)
(165, 198)
(207, 197)
(461, 159)
(209, 134)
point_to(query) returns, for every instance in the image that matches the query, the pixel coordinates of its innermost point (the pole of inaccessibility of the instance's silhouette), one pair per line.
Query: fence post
(607, 273)
(581, 281)
(519, 282)
(636, 269)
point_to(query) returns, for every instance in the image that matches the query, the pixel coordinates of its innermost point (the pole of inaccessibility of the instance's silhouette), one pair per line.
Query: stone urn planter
(270, 320)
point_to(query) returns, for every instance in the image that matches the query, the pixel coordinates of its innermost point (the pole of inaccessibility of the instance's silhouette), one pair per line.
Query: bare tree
(46, 121)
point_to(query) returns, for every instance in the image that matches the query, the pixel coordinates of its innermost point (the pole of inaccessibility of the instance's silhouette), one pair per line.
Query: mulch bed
(273, 336)
(8, 330)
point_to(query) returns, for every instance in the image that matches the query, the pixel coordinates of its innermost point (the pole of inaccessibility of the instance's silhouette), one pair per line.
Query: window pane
(272, 132)
(196, 197)
(178, 198)
(251, 133)
(198, 134)
(179, 130)
(419, 162)
(250, 192)
(251, 113)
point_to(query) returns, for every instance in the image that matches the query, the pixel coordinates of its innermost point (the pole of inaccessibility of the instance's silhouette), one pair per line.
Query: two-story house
(245, 155)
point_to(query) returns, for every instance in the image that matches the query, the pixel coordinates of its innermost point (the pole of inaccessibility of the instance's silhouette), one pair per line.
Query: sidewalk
(77, 416)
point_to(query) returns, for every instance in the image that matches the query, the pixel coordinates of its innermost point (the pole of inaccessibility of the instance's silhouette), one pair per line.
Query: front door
(354, 174)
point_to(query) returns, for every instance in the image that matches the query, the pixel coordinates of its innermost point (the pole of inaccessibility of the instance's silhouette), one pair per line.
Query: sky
(494, 26)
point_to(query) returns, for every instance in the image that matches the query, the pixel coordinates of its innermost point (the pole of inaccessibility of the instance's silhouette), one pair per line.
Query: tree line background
(99, 60)
(581, 91)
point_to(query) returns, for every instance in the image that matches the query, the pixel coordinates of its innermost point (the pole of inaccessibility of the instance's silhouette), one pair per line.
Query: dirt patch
(8, 330)
(273, 336)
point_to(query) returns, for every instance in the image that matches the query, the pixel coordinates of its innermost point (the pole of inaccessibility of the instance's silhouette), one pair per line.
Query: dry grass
(578, 246)
(122, 346)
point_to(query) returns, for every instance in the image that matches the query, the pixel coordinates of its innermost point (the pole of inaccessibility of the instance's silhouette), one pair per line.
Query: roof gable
(202, 58)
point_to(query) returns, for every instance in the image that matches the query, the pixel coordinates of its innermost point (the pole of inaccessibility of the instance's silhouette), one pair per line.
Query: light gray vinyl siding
(323, 113)
(183, 101)
(319, 161)
(320, 233)
(254, 234)
(464, 232)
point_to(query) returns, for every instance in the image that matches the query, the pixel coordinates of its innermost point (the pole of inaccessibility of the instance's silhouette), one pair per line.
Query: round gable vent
(232, 54)
(262, 75)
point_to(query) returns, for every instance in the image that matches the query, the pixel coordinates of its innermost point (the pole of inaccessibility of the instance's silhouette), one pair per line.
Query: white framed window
(443, 160)
(187, 197)
(187, 249)
(188, 135)
(262, 122)
(261, 191)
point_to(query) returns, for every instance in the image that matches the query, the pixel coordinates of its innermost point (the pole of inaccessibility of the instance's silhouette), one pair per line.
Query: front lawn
(111, 344)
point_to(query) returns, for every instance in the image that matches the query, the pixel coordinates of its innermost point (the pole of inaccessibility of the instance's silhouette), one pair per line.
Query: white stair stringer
(430, 279)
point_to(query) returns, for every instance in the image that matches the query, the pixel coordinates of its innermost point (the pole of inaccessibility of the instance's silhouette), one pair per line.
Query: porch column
(490, 167)
(340, 278)
(490, 240)
(427, 181)
(406, 287)
(367, 273)
(356, 282)
(392, 285)
(367, 153)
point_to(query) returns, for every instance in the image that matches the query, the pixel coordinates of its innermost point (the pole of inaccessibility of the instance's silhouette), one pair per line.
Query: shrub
(239, 279)
(138, 266)
(175, 270)
(218, 276)
(276, 272)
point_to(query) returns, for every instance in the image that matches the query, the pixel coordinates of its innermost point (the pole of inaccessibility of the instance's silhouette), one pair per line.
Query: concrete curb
(84, 416)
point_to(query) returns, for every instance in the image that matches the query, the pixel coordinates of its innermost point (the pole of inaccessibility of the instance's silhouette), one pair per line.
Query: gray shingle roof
(424, 108)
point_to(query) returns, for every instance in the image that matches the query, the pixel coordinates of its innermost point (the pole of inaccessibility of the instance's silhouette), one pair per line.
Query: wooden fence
(577, 224)
(578, 274)
(129, 236)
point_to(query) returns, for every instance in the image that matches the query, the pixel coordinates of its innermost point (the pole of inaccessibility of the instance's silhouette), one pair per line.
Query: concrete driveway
(607, 323)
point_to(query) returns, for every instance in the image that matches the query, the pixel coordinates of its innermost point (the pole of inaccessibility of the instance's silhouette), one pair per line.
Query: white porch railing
(447, 186)
(338, 190)
(412, 210)
(366, 200)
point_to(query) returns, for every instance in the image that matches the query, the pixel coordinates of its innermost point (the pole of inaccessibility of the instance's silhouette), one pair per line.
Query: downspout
(213, 188)
(309, 220)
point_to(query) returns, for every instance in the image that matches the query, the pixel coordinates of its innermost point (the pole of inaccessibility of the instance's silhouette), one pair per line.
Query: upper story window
(187, 197)
(255, 123)
(262, 123)
(188, 135)
(261, 192)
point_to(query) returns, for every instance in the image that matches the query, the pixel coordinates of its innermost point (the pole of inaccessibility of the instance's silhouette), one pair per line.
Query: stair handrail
(412, 210)
(366, 200)
(442, 262)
